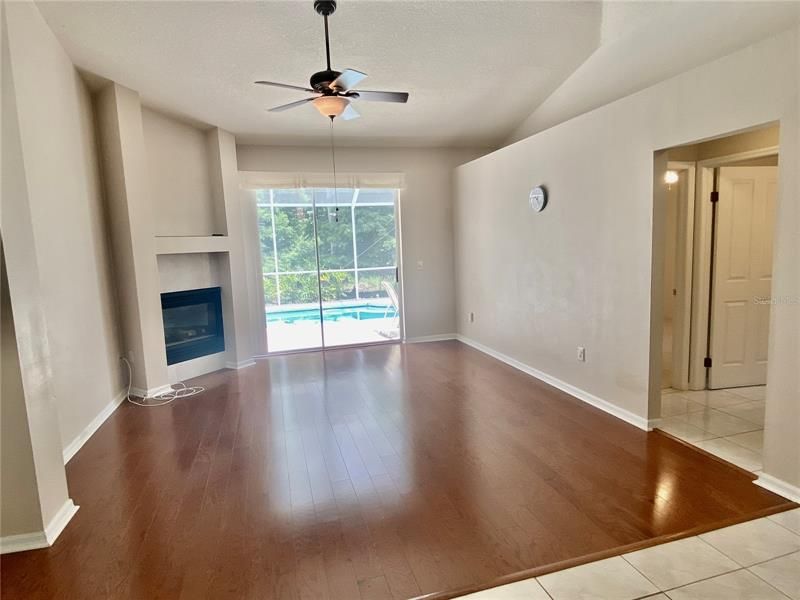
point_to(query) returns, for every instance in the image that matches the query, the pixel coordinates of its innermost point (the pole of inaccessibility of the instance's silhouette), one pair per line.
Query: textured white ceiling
(474, 68)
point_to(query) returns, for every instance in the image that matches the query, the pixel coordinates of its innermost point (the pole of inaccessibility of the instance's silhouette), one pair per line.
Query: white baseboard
(570, 389)
(161, 389)
(240, 365)
(441, 337)
(40, 539)
(780, 487)
(76, 444)
(149, 393)
(23, 542)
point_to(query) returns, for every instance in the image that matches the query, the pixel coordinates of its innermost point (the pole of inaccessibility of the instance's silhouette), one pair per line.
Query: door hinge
(714, 196)
(707, 362)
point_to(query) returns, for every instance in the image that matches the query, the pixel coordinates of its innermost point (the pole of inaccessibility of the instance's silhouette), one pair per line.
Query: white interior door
(742, 276)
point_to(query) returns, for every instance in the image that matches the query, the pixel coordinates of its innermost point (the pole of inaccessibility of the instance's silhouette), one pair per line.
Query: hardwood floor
(387, 472)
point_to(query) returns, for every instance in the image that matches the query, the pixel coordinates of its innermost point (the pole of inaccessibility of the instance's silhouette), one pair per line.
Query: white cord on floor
(163, 398)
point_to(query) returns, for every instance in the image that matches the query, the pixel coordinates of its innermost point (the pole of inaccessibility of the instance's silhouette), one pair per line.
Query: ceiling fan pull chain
(335, 187)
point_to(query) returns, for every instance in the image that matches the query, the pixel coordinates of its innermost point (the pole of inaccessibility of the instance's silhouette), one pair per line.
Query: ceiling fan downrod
(326, 8)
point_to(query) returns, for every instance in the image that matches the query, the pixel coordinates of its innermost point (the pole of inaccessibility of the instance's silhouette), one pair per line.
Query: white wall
(782, 427)
(639, 49)
(426, 215)
(31, 331)
(19, 509)
(132, 232)
(72, 251)
(178, 174)
(579, 273)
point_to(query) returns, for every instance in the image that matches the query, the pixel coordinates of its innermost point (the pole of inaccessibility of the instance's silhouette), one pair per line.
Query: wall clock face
(538, 198)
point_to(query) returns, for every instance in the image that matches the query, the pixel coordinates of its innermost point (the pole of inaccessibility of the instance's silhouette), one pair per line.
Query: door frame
(398, 232)
(702, 259)
(681, 321)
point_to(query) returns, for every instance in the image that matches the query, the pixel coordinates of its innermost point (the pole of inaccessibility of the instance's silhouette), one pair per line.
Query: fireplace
(192, 324)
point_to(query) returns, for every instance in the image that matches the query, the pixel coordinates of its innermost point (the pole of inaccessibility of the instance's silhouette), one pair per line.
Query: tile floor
(756, 560)
(727, 423)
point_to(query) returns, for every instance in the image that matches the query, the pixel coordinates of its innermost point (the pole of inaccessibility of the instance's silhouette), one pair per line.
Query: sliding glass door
(289, 266)
(330, 267)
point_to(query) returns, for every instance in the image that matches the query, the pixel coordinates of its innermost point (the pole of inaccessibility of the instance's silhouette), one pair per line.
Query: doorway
(718, 218)
(330, 267)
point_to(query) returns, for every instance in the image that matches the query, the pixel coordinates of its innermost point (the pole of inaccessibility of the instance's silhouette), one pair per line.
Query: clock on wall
(538, 198)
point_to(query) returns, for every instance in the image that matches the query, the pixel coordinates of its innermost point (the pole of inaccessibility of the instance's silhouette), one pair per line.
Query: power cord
(163, 398)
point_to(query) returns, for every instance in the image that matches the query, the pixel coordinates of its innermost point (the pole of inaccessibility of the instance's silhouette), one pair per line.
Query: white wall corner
(778, 486)
(570, 389)
(60, 520)
(40, 539)
(72, 448)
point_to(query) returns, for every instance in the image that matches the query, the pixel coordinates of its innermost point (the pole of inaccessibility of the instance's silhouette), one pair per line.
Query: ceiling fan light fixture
(331, 106)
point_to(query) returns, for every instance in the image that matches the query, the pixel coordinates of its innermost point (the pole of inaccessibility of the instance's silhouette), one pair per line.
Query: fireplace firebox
(192, 324)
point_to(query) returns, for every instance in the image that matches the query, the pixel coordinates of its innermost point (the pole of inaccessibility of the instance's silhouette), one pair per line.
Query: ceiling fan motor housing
(321, 81)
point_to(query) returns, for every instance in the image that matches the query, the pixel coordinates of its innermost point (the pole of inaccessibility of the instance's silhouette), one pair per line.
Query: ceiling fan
(333, 89)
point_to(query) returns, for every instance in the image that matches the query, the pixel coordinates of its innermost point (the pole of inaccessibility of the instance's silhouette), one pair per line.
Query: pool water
(360, 312)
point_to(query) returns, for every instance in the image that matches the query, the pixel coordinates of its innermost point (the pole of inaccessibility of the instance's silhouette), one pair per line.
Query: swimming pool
(359, 312)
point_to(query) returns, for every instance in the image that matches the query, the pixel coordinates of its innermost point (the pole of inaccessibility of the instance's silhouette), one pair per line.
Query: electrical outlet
(420, 265)
(472, 317)
(581, 354)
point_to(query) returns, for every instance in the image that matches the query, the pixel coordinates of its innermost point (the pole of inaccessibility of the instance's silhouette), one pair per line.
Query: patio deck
(283, 337)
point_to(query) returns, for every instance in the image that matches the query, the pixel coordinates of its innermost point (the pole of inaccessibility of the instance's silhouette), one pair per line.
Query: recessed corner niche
(178, 167)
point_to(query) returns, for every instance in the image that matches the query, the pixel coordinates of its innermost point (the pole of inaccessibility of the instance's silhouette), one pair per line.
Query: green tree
(296, 251)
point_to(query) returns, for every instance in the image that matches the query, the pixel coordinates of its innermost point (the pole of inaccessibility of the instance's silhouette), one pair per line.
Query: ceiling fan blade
(372, 96)
(348, 79)
(284, 85)
(283, 107)
(350, 113)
